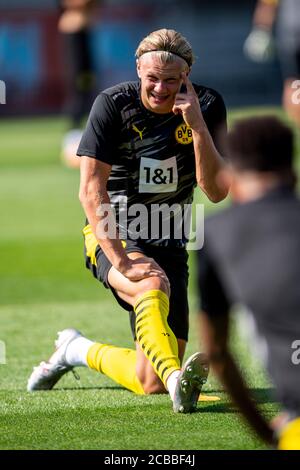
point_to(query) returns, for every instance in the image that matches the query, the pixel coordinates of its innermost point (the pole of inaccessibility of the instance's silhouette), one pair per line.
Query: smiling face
(160, 82)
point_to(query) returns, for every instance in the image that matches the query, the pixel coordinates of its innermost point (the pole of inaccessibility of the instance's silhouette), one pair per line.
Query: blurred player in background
(74, 26)
(148, 142)
(260, 46)
(251, 257)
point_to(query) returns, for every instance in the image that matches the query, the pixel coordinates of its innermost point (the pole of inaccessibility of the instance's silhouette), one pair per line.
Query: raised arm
(207, 158)
(214, 326)
(214, 332)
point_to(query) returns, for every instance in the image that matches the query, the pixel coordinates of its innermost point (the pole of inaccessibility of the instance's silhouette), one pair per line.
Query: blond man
(148, 144)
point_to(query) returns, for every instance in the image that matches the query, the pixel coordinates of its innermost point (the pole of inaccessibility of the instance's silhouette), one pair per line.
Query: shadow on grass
(263, 395)
(260, 395)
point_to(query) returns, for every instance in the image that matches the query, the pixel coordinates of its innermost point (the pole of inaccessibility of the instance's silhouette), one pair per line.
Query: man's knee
(154, 283)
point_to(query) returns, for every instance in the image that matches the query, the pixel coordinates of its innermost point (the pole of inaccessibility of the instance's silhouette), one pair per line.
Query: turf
(44, 287)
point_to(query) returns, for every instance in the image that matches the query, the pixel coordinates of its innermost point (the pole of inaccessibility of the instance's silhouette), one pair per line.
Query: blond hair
(167, 42)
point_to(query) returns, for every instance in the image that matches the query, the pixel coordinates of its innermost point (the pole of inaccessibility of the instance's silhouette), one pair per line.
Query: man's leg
(129, 368)
(158, 347)
(147, 376)
(121, 364)
(150, 299)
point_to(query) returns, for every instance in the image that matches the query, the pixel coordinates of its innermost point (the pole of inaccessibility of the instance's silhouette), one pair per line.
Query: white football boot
(192, 377)
(47, 374)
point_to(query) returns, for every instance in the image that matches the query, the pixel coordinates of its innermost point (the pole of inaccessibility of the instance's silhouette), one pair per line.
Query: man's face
(159, 82)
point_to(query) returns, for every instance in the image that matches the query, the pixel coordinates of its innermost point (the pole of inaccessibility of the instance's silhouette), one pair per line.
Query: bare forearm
(265, 13)
(214, 331)
(208, 164)
(225, 368)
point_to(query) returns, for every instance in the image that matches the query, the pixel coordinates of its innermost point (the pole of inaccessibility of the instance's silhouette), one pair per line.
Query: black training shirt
(152, 156)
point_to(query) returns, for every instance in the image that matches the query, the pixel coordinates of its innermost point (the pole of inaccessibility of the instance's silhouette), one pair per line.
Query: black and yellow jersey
(152, 158)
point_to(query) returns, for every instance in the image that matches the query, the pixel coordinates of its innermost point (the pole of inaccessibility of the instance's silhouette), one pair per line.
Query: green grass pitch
(44, 287)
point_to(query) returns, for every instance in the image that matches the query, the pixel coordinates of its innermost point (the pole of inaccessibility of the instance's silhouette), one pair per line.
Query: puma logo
(165, 334)
(140, 133)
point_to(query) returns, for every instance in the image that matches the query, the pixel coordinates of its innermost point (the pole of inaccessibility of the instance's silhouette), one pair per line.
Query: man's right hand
(141, 268)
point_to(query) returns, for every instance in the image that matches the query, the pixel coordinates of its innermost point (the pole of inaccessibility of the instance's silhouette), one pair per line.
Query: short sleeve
(213, 298)
(101, 134)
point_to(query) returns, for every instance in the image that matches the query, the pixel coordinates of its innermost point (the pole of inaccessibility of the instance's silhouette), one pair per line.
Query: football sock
(154, 335)
(76, 352)
(117, 363)
(171, 383)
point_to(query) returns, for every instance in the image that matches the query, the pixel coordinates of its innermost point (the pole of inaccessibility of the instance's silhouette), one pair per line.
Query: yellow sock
(117, 363)
(154, 335)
